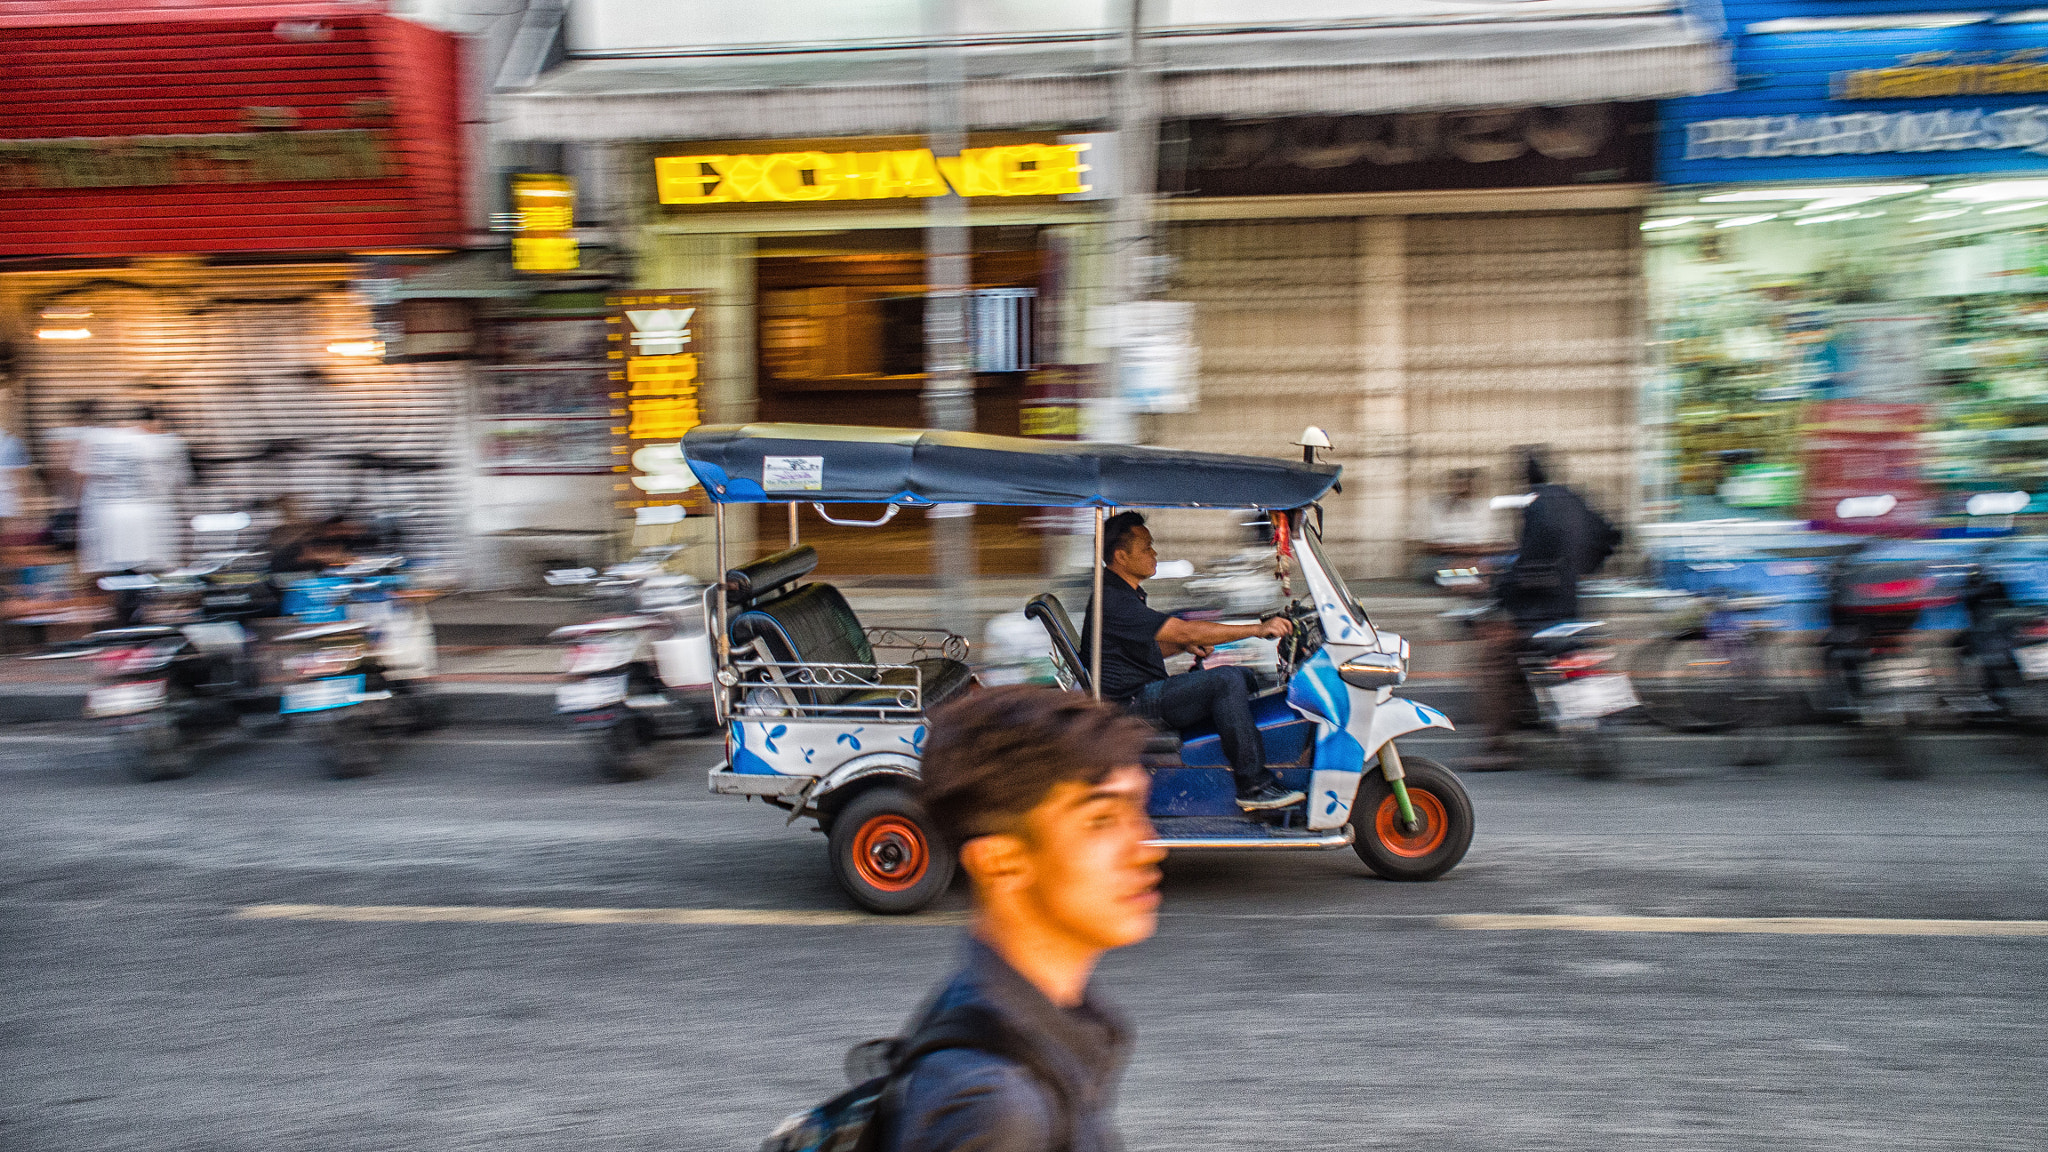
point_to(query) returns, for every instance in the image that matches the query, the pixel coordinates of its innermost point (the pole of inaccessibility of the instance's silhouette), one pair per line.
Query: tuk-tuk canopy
(847, 464)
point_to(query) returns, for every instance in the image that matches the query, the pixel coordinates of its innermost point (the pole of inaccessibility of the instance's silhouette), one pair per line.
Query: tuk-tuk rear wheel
(1443, 831)
(885, 853)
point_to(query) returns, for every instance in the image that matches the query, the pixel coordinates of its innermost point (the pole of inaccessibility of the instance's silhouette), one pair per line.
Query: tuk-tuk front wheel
(886, 854)
(1441, 833)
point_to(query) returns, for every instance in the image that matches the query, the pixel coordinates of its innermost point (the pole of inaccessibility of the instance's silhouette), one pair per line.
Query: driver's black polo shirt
(1130, 639)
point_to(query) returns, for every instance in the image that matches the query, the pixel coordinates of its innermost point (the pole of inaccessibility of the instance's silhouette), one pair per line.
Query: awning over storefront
(1602, 50)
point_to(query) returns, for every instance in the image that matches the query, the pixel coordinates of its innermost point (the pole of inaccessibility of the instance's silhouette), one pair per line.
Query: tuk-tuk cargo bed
(725, 782)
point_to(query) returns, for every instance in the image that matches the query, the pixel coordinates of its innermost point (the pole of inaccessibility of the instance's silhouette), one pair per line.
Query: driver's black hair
(1535, 463)
(1116, 533)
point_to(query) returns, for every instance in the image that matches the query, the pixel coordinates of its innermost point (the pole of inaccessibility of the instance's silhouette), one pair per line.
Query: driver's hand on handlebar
(1276, 627)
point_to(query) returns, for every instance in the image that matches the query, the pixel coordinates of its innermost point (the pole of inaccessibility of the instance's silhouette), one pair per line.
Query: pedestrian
(127, 505)
(1041, 794)
(1460, 528)
(16, 485)
(60, 451)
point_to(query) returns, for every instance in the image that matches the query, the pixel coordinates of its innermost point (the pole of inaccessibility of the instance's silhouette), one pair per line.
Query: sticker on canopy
(793, 473)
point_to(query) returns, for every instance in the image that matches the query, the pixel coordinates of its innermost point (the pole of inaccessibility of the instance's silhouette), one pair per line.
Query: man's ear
(995, 861)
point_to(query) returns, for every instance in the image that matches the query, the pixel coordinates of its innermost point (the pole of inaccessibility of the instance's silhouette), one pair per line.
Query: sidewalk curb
(471, 704)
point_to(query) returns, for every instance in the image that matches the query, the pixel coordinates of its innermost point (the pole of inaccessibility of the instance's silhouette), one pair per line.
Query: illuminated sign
(792, 177)
(654, 340)
(1939, 74)
(546, 207)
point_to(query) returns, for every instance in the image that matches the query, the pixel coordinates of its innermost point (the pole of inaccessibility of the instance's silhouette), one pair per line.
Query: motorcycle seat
(325, 631)
(129, 635)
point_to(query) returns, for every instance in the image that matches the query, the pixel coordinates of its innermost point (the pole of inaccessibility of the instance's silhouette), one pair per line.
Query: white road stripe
(1762, 925)
(484, 914)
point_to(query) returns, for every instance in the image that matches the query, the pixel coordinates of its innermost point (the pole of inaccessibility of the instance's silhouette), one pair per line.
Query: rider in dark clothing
(1136, 639)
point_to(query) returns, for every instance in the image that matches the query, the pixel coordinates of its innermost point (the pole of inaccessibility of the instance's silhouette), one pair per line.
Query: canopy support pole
(718, 583)
(1095, 614)
(792, 525)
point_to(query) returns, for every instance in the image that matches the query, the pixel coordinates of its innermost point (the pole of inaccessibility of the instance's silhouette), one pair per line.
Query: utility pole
(949, 373)
(1132, 270)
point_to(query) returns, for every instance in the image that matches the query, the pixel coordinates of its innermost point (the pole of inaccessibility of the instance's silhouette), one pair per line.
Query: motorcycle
(633, 681)
(188, 675)
(1564, 682)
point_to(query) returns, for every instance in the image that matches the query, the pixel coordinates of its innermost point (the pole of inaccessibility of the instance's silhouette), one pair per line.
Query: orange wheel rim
(890, 853)
(1432, 825)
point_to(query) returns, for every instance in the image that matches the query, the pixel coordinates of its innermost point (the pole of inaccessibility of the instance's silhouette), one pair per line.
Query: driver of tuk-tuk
(1136, 639)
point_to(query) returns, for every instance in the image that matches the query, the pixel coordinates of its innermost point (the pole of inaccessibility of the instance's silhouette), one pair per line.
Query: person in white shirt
(1462, 528)
(60, 452)
(127, 509)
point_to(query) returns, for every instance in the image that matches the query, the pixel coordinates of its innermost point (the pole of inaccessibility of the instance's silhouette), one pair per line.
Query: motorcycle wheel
(1593, 753)
(885, 853)
(621, 752)
(1687, 684)
(350, 745)
(1435, 846)
(154, 748)
(424, 710)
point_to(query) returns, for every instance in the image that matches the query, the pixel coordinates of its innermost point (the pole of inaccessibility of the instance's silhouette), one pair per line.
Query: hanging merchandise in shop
(1409, 152)
(273, 378)
(297, 127)
(652, 341)
(1850, 280)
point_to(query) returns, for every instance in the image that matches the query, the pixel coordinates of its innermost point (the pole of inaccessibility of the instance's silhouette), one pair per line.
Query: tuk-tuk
(825, 718)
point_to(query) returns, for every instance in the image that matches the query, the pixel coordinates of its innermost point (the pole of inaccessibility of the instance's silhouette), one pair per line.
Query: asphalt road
(1288, 1002)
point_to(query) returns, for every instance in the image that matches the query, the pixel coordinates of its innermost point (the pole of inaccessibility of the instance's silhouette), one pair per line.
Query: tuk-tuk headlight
(1373, 670)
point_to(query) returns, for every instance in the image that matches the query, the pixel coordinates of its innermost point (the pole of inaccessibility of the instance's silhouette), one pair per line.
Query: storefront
(1849, 272)
(1348, 248)
(811, 252)
(216, 260)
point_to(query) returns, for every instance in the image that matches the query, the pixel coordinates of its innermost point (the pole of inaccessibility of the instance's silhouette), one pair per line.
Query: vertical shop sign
(1861, 452)
(545, 204)
(653, 341)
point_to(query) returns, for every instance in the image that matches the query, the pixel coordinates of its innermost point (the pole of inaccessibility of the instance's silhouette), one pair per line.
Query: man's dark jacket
(1563, 540)
(964, 1100)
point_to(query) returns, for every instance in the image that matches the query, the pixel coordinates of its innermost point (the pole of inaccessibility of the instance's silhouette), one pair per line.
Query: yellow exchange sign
(788, 177)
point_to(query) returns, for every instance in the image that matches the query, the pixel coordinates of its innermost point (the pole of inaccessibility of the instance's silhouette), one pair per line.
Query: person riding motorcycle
(1562, 540)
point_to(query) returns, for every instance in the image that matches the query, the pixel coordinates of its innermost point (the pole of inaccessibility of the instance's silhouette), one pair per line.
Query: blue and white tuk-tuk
(826, 718)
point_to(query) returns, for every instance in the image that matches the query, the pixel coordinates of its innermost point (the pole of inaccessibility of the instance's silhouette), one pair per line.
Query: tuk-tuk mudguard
(1341, 713)
(865, 767)
(779, 746)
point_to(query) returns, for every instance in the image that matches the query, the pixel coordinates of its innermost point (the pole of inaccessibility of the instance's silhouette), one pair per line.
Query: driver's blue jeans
(1212, 697)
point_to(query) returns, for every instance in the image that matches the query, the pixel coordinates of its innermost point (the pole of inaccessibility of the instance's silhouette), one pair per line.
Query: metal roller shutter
(239, 366)
(1523, 329)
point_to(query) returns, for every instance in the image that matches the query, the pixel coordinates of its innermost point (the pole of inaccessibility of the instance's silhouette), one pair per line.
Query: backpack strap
(981, 1029)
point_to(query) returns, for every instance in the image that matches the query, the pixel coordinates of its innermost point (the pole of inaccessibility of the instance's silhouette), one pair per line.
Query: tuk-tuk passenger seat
(815, 625)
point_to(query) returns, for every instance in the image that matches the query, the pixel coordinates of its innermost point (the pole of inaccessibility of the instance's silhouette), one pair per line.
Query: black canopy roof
(836, 463)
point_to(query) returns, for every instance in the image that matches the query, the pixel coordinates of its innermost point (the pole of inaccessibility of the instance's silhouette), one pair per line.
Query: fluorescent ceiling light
(2024, 16)
(1667, 222)
(1830, 218)
(1853, 193)
(1996, 190)
(1745, 221)
(63, 333)
(1872, 23)
(1944, 214)
(357, 347)
(2020, 207)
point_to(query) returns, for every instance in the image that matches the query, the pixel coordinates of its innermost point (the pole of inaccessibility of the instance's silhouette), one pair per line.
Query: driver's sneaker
(1269, 797)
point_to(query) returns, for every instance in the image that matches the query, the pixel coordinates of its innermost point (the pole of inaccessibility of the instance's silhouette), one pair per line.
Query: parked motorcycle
(633, 681)
(189, 673)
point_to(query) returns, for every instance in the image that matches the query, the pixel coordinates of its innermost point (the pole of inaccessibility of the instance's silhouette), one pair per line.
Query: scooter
(632, 682)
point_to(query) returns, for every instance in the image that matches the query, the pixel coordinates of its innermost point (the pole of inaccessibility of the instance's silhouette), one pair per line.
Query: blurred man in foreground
(1042, 793)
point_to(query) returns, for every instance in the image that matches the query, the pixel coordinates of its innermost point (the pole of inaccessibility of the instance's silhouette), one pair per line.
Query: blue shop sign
(1821, 103)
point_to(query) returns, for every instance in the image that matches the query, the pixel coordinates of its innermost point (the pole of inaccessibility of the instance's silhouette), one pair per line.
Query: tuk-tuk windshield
(1312, 539)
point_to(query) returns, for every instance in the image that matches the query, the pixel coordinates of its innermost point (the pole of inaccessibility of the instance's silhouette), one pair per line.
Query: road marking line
(485, 914)
(1765, 925)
